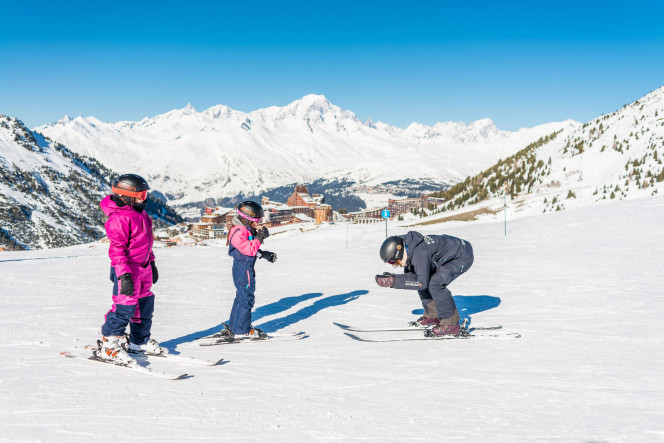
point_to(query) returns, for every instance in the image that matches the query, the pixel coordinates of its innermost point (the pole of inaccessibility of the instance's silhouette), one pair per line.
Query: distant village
(301, 207)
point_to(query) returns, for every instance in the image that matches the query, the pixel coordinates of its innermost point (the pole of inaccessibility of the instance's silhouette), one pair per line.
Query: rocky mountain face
(49, 195)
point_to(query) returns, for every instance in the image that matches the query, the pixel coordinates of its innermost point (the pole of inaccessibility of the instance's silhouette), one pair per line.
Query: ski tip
(353, 336)
(340, 325)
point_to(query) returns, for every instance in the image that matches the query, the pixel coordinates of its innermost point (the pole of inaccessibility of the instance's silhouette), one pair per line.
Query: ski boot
(225, 334)
(424, 322)
(152, 347)
(442, 330)
(111, 349)
(255, 334)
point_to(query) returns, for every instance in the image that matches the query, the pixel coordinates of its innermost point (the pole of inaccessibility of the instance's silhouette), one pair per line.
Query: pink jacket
(130, 233)
(243, 241)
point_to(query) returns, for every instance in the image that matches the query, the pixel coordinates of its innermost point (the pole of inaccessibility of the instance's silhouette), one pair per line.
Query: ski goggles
(141, 195)
(243, 215)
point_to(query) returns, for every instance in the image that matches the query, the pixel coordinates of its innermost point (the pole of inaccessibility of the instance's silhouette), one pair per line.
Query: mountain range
(52, 178)
(194, 157)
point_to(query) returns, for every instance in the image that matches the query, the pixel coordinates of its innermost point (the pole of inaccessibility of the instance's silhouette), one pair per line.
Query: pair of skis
(405, 334)
(90, 356)
(221, 339)
(93, 353)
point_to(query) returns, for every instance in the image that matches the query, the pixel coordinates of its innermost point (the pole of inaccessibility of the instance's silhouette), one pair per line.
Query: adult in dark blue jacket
(431, 263)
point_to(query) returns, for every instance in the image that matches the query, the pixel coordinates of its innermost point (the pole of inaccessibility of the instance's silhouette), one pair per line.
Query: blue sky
(518, 63)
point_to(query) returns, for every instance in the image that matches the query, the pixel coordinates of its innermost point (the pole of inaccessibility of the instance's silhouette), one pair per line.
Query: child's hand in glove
(267, 255)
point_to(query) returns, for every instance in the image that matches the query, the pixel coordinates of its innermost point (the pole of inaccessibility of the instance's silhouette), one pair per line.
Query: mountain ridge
(614, 156)
(49, 195)
(193, 156)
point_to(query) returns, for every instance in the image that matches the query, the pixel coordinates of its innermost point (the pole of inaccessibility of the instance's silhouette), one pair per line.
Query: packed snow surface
(583, 287)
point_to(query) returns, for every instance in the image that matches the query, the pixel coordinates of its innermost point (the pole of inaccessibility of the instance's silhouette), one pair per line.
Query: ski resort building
(396, 208)
(312, 206)
(300, 197)
(212, 224)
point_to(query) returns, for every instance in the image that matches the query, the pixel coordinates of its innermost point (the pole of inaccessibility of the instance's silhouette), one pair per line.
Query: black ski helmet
(132, 186)
(392, 249)
(251, 211)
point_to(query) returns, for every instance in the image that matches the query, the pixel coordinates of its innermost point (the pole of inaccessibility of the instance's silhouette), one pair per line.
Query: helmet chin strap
(122, 197)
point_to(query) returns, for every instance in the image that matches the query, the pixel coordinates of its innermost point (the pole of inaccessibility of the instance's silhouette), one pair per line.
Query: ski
(174, 357)
(410, 328)
(134, 368)
(272, 334)
(179, 358)
(462, 336)
(240, 339)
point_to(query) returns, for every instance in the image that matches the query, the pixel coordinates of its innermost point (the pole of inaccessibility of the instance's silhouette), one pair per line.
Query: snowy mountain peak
(310, 107)
(459, 132)
(178, 113)
(221, 111)
(187, 110)
(220, 152)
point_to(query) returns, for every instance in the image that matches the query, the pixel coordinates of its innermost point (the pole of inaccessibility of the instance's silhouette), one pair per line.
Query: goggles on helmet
(141, 195)
(243, 215)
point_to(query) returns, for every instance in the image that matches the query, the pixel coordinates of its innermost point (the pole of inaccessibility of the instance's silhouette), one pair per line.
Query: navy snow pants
(245, 287)
(135, 310)
(437, 300)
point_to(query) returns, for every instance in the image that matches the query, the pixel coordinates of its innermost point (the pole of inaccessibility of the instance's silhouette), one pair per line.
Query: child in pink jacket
(133, 271)
(244, 241)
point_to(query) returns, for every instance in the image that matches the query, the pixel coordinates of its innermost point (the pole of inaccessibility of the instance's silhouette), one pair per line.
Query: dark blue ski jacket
(425, 254)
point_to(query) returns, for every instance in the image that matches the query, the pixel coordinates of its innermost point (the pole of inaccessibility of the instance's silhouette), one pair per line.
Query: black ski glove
(126, 284)
(155, 273)
(262, 234)
(267, 255)
(386, 280)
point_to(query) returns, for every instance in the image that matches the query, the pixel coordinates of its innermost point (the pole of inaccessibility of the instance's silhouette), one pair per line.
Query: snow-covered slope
(49, 195)
(583, 287)
(615, 156)
(221, 152)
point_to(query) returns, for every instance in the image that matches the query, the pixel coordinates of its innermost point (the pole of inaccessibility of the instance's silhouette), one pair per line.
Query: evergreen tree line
(513, 175)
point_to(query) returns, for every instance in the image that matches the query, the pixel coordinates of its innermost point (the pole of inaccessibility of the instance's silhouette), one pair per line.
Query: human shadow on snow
(468, 305)
(304, 313)
(282, 305)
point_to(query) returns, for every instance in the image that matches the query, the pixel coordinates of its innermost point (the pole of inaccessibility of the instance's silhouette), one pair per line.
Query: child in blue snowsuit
(244, 241)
